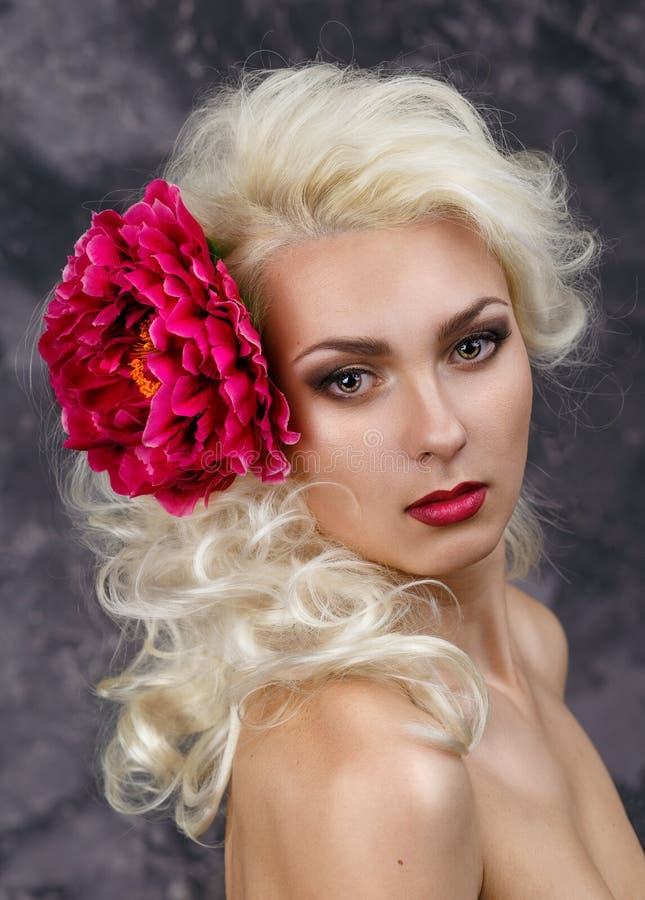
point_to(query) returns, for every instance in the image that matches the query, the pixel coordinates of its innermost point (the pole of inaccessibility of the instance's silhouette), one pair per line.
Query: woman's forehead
(361, 281)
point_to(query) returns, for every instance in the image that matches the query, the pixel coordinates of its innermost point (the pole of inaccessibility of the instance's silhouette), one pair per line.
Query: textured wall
(92, 97)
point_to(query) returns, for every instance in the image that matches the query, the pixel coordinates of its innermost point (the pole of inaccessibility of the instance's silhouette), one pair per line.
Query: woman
(334, 636)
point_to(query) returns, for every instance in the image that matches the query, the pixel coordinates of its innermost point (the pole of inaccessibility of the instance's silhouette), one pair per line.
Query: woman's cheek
(511, 409)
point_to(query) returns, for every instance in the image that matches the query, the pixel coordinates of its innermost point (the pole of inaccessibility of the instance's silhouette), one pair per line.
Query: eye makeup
(494, 332)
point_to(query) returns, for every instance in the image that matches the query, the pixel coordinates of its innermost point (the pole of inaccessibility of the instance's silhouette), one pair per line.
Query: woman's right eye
(348, 382)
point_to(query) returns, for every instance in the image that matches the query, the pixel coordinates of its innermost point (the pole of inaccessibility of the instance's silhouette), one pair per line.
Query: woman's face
(425, 406)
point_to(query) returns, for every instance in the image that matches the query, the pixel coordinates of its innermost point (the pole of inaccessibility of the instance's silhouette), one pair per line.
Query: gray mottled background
(92, 97)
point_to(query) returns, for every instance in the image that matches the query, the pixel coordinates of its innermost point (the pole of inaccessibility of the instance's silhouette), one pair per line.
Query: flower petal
(155, 362)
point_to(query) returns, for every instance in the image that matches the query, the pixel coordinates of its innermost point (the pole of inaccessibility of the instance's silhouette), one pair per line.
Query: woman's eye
(348, 382)
(473, 346)
(470, 348)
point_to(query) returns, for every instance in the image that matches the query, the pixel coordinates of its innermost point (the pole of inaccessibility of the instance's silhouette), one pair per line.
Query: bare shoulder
(541, 638)
(350, 804)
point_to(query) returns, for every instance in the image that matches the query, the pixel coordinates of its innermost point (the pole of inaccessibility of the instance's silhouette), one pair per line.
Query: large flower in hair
(155, 362)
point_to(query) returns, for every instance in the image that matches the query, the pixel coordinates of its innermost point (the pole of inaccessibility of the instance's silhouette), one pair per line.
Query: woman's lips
(446, 507)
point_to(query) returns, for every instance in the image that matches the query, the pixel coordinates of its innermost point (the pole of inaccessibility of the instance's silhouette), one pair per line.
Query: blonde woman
(298, 377)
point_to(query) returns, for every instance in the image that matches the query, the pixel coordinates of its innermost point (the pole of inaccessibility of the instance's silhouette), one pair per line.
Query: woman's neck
(484, 631)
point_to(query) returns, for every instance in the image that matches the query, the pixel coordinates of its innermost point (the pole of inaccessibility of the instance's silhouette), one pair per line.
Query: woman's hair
(248, 593)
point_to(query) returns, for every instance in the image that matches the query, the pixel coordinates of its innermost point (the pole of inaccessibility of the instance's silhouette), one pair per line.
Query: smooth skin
(338, 802)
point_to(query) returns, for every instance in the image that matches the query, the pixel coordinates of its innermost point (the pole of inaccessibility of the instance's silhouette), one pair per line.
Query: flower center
(140, 349)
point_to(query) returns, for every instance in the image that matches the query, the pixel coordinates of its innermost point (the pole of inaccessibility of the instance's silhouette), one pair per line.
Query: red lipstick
(446, 507)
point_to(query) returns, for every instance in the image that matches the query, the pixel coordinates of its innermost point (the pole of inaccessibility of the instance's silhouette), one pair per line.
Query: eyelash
(495, 336)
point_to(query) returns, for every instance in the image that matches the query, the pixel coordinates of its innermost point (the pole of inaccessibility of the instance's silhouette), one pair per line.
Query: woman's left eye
(473, 347)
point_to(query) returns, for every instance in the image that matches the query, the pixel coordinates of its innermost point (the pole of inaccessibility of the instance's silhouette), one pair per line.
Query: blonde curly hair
(247, 593)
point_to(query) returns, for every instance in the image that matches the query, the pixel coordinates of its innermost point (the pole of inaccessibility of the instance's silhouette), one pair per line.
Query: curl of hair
(247, 593)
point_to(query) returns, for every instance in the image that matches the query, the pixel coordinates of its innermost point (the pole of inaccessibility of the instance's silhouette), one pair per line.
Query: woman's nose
(432, 422)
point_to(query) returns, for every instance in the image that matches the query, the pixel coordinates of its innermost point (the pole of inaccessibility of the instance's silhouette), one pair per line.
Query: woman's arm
(340, 803)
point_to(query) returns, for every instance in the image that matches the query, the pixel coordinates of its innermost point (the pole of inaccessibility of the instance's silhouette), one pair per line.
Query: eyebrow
(374, 347)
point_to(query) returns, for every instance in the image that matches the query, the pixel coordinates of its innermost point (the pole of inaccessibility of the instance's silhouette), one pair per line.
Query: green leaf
(214, 250)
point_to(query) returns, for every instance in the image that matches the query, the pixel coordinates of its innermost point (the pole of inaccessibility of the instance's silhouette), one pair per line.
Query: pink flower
(155, 362)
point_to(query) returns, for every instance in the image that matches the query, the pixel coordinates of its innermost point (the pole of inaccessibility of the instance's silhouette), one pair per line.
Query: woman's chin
(440, 563)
